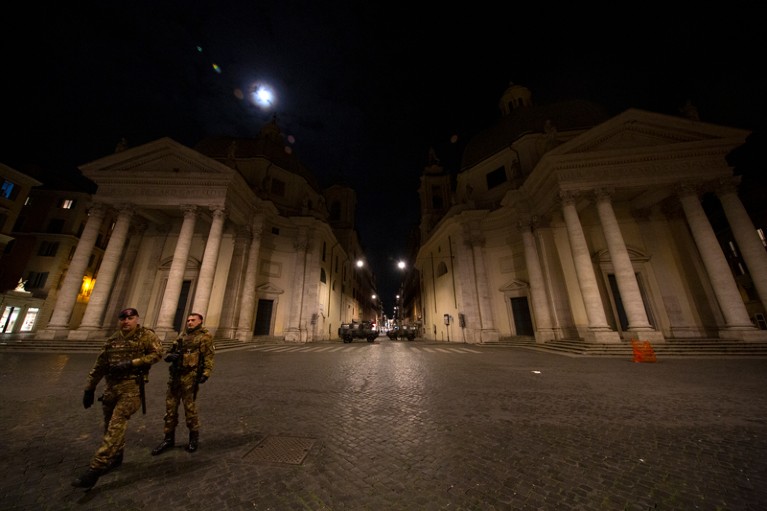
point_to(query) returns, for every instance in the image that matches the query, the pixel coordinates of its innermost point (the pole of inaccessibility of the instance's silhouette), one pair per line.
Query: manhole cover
(281, 449)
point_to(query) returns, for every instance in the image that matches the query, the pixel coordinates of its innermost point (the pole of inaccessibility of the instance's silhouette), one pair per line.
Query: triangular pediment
(637, 130)
(514, 285)
(163, 158)
(269, 288)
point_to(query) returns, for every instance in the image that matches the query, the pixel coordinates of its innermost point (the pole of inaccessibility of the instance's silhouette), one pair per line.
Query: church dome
(520, 116)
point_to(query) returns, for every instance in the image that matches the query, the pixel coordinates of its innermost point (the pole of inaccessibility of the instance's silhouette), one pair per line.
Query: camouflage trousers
(181, 391)
(119, 403)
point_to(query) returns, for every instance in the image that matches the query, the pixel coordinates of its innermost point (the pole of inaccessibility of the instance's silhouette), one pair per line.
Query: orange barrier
(643, 351)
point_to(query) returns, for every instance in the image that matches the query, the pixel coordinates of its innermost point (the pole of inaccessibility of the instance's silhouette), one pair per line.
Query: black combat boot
(168, 442)
(87, 479)
(115, 462)
(194, 438)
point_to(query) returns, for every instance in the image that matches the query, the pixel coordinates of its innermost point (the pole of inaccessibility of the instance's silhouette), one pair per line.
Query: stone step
(673, 347)
(89, 346)
(670, 348)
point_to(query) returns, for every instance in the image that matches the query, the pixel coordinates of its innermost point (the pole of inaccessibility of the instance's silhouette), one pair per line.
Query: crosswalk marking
(348, 348)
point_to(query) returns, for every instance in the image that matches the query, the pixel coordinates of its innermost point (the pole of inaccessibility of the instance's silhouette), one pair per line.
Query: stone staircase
(574, 347)
(90, 346)
(670, 348)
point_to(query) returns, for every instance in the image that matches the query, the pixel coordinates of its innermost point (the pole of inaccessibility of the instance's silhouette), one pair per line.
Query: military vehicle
(408, 332)
(358, 330)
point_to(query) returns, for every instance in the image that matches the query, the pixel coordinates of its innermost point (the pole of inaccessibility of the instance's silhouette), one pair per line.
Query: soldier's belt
(125, 377)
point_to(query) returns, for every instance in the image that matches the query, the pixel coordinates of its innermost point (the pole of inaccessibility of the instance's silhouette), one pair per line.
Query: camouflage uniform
(121, 398)
(196, 352)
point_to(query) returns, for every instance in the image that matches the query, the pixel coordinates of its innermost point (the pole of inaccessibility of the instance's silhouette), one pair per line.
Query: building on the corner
(565, 223)
(236, 229)
(19, 308)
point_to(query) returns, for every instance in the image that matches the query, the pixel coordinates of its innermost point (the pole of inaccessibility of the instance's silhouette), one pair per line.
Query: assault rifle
(141, 391)
(200, 370)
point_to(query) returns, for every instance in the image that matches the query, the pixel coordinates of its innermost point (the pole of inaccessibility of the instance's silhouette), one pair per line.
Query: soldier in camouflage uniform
(191, 362)
(124, 362)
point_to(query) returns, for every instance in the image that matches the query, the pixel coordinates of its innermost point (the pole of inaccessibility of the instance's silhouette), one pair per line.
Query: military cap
(127, 312)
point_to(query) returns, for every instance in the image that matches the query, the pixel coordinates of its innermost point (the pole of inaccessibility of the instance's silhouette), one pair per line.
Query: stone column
(73, 280)
(476, 241)
(209, 262)
(638, 324)
(544, 330)
(176, 273)
(158, 237)
(94, 312)
(598, 329)
(749, 243)
(123, 279)
(234, 280)
(311, 297)
(293, 331)
(248, 297)
(737, 322)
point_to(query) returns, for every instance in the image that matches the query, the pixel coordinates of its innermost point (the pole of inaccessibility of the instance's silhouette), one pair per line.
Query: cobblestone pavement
(402, 426)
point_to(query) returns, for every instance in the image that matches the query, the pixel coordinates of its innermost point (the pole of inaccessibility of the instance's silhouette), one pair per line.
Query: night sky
(363, 88)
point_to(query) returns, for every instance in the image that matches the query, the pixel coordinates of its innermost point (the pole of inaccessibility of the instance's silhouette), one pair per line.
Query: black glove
(88, 398)
(202, 379)
(172, 357)
(121, 367)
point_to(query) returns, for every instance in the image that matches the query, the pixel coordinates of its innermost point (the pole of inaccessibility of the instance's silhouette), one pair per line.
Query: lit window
(8, 190)
(29, 319)
(67, 204)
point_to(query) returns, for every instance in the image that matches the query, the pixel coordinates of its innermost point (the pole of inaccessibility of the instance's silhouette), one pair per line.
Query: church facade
(566, 223)
(234, 229)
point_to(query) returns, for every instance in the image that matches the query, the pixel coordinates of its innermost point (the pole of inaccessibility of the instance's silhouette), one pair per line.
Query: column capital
(687, 189)
(604, 194)
(727, 185)
(257, 224)
(97, 209)
(527, 224)
(188, 209)
(218, 211)
(568, 196)
(125, 208)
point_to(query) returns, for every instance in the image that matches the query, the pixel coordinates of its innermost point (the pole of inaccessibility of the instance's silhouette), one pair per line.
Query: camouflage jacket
(197, 353)
(141, 346)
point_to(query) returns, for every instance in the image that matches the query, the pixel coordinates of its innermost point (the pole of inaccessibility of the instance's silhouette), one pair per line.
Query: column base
(645, 334)
(544, 335)
(50, 334)
(293, 335)
(601, 336)
(243, 335)
(744, 334)
(83, 334)
(165, 334)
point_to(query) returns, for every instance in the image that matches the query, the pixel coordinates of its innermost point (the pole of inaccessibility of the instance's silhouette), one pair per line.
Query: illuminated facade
(566, 223)
(234, 229)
